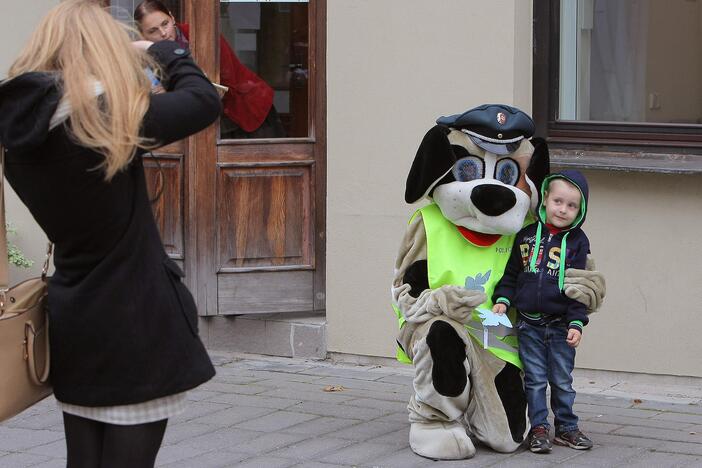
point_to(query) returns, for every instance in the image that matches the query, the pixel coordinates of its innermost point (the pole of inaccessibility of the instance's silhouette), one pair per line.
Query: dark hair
(149, 6)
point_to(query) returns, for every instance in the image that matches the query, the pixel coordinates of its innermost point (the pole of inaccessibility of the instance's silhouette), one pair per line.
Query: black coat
(123, 327)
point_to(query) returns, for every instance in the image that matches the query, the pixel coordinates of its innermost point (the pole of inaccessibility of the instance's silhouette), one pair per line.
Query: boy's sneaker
(574, 439)
(538, 440)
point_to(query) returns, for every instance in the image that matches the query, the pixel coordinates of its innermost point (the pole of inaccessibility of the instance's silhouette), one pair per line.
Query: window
(624, 74)
(265, 65)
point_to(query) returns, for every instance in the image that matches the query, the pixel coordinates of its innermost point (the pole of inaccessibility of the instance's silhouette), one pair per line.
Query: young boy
(550, 325)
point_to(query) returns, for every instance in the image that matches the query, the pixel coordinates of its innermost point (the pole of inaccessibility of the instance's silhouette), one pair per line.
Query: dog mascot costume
(481, 173)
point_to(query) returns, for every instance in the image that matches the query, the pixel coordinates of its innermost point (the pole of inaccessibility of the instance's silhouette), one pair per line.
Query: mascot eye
(467, 169)
(507, 171)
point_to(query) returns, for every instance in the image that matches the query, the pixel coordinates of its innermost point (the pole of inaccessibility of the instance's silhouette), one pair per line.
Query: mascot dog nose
(493, 200)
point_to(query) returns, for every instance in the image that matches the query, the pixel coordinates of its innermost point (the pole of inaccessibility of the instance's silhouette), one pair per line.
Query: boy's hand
(574, 336)
(499, 308)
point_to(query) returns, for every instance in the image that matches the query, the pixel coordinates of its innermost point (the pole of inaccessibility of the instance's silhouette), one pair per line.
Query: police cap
(496, 128)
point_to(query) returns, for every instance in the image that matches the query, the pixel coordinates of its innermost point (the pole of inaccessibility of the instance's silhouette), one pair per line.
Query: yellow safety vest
(452, 259)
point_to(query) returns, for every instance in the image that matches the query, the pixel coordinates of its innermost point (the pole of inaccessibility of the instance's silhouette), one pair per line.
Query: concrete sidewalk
(278, 412)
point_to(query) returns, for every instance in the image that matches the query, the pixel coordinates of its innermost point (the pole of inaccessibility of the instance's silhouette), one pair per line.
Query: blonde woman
(75, 116)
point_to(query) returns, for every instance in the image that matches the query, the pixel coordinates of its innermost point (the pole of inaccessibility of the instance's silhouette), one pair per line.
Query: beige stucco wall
(394, 66)
(18, 18)
(644, 233)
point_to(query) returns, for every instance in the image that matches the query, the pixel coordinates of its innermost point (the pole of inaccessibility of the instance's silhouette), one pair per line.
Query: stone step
(297, 335)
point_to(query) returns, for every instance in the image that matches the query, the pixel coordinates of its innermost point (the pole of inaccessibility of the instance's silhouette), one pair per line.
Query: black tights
(93, 444)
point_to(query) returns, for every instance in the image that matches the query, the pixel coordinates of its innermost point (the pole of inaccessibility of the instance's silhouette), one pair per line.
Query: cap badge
(501, 118)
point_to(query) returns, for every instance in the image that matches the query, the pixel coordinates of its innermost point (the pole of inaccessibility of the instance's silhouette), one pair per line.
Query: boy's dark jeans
(548, 358)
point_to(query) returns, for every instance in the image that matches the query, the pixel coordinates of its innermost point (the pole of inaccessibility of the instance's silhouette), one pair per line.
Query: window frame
(653, 147)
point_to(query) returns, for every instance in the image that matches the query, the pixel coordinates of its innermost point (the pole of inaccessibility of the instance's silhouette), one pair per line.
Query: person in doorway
(76, 116)
(248, 104)
(550, 324)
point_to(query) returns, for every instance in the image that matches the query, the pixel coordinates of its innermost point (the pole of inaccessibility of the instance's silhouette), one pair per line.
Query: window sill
(626, 161)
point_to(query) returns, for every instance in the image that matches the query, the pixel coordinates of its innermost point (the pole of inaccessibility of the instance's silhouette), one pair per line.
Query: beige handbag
(24, 334)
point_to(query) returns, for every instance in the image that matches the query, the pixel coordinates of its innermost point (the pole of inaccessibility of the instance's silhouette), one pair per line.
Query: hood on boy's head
(576, 178)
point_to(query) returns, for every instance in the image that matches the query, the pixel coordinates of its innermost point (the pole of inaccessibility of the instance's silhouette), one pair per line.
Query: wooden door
(254, 217)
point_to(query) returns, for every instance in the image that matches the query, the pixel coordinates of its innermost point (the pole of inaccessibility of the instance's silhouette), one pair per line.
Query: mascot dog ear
(540, 165)
(433, 160)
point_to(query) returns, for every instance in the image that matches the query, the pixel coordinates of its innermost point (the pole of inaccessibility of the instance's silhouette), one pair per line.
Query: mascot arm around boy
(480, 172)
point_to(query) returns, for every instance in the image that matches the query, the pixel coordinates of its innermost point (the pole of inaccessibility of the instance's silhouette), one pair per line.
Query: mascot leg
(496, 413)
(442, 391)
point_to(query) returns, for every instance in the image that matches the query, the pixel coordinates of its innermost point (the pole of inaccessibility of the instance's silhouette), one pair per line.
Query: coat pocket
(184, 298)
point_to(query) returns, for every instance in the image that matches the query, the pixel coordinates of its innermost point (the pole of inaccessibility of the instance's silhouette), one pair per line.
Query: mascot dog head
(481, 169)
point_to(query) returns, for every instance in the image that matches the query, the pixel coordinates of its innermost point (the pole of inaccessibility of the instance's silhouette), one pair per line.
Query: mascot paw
(441, 440)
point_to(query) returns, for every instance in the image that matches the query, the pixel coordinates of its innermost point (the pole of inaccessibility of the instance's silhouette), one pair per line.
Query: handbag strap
(4, 261)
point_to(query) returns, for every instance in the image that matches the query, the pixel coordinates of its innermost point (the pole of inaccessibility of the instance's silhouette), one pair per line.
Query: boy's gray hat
(496, 128)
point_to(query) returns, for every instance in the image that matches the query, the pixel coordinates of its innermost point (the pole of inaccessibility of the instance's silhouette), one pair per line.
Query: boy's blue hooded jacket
(533, 283)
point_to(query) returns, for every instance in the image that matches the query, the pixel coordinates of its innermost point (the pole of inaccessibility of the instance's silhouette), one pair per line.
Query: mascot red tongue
(480, 171)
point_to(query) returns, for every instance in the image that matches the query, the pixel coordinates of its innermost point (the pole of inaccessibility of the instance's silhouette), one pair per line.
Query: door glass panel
(264, 50)
(631, 61)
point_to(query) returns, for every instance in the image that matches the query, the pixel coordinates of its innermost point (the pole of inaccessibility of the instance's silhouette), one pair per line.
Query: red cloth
(249, 99)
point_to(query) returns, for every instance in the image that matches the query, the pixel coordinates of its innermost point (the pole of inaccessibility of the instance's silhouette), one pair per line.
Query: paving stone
(231, 416)
(405, 458)
(602, 400)
(318, 465)
(276, 421)
(627, 421)
(214, 459)
(600, 409)
(679, 417)
(599, 427)
(402, 417)
(12, 439)
(198, 409)
(53, 449)
(317, 395)
(366, 430)
(613, 439)
(661, 406)
(311, 449)
(52, 463)
(21, 460)
(337, 410)
(404, 380)
(399, 438)
(243, 389)
(659, 434)
(176, 433)
(200, 395)
(357, 454)
(254, 400)
(661, 460)
(220, 439)
(268, 443)
(604, 457)
(387, 406)
(366, 385)
(322, 425)
(681, 447)
(265, 462)
(402, 396)
(37, 421)
(177, 452)
(345, 372)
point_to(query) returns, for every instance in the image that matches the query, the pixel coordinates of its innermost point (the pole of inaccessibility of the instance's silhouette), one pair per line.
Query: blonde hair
(81, 41)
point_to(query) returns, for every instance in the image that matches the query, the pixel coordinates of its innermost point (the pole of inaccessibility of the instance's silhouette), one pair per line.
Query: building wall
(412, 61)
(18, 18)
(393, 67)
